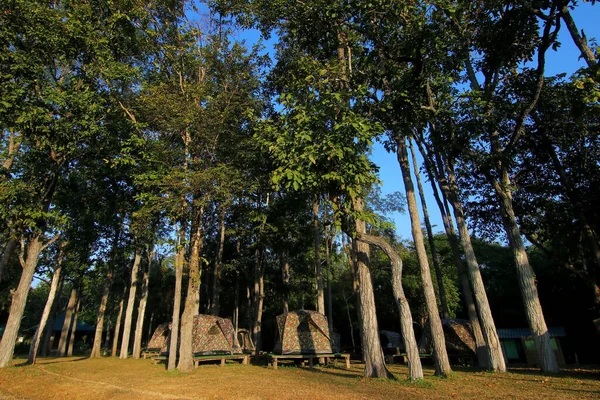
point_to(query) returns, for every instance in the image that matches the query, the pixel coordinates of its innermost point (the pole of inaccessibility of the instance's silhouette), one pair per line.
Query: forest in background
(154, 167)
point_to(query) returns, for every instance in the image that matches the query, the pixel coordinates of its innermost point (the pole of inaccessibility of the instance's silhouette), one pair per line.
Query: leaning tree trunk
(115, 343)
(372, 353)
(66, 328)
(406, 322)
(496, 358)
(10, 247)
(97, 347)
(73, 329)
(130, 304)
(440, 355)
(35, 342)
(179, 261)
(19, 300)
(186, 360)
(526, 277)
(48, 328)
(436, 262)
(216, 287)
(139, 326)
(258, 300)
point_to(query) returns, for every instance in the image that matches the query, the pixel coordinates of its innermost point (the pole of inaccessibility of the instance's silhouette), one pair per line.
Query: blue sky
(565, 59)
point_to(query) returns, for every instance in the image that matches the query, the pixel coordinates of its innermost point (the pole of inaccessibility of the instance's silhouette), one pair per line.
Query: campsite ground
(111, 378)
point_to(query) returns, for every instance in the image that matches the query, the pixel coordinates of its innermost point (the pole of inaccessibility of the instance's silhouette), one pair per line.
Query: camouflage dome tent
(302, 332)
(458, 334)
(210, 335)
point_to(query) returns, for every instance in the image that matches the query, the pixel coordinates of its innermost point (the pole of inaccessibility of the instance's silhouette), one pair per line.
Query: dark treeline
(155, 168)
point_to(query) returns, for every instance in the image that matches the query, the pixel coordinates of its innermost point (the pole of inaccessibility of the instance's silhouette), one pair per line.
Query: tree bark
(406, 322)
(329, 291)
(73, 329)
(440, 355)
(526, 277)
(258, 300)
(139, 326)
(19, 300)
(118, 323)
(35, 342)
(179, 262)
(10, 247)
(49, 324)
(285, 274)
(579, 40)
(97, 347)
(317, 259)
(436, 262)
(216, 289)
(130, 304)
(186, 362)
(66, 328)
(373, 355)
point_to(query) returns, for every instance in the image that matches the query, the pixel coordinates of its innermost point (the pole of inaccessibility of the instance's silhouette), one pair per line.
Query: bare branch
(49, 242)
(22, 253)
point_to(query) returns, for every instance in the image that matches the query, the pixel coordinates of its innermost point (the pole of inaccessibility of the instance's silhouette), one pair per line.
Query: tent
(210, 335)
(245, 341)
(458, 334)
(302, 332)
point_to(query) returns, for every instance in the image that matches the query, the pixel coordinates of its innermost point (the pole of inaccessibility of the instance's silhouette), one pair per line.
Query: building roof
(81, 325)
(517, 333)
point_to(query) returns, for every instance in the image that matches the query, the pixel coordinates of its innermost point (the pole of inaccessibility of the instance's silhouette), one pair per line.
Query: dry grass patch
(111, 378)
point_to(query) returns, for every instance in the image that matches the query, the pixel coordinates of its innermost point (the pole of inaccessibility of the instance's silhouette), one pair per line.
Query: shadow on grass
(56, 360)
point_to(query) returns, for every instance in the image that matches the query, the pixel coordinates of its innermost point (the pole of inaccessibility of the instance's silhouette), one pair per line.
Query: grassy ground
(111, 378)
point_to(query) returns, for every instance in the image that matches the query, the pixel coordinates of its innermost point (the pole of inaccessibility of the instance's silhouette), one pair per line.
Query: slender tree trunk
(372, 352)
(49, 324)
(406, 322)
(115, 343)
(73, 329)
(526, 277)
(179, 261)
(259, 296)
(186, 362)
(442, 364)
(579, 39)
(66, 328)
(35, 342)
(236, 305)
(329, 292)
(496, 358)
(10, 247)
(285, 273)
(139, 326)
(483, 350)
(317, 259)
(216, 289)
(19, 300)
(97, 346)
(130, 304)
(436, 262)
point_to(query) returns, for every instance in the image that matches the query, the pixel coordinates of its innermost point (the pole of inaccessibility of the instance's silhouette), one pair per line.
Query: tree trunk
(139, 326)
(19, 300)
(179, 261)
(317, 259)
(130, 304)
(496, 358)
(440, 355)
(580, 40)
(97, 347)
(236, 306)
(10, 247)
(526, 276)
(259, 297)
(186, 362)
(329, 292)
(118, 323)
(216, 289)
(66, 328)
(35, 342)
(406, 322)
(436, 262)
(73, 329)
(372, 353)
(49, 324)
(285, 273)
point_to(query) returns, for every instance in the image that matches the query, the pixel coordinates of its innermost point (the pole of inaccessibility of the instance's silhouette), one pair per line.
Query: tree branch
(49, 242)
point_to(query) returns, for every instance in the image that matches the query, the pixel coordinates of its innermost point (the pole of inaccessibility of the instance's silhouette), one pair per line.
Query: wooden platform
(244, 358)
(150, 353)
(274, 358)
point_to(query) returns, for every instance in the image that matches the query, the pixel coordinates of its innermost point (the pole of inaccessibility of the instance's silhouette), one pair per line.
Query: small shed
(302, 332)
(391, 342)
(518, 345)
